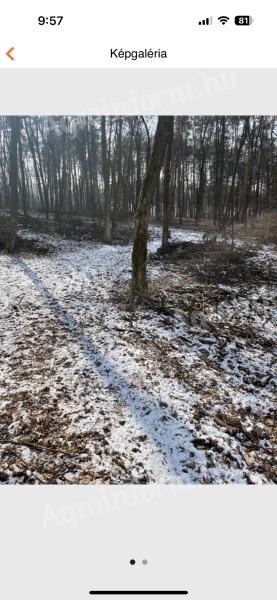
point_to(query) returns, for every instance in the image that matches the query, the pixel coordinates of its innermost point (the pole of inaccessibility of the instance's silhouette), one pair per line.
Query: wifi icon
(223, 20)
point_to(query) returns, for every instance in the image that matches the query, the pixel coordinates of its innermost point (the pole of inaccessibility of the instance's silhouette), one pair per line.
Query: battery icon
(243, 20)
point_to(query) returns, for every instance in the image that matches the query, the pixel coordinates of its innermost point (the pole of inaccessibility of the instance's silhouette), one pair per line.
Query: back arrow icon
(9, 53)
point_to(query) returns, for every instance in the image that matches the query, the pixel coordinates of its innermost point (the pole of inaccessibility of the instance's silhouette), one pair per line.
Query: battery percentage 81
(243, 20)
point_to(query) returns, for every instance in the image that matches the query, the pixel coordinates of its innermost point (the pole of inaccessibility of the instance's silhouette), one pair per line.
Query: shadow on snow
(163, 431)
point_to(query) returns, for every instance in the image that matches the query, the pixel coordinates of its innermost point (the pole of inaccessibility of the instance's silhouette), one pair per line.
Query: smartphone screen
(138, 232)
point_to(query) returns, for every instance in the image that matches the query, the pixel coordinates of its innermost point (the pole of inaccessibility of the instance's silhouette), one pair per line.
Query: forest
(138, 299)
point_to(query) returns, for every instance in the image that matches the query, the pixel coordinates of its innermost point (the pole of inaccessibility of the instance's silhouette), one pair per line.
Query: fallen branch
(29, 468)
(37, 447)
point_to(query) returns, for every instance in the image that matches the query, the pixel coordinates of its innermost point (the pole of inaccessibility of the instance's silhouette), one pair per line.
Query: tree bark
(139, 255)
(13, 182)
(24, 194)
(165, 237)
(105, 168)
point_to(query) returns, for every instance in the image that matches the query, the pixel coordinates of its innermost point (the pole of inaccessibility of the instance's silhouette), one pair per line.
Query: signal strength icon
(223, 20)
(207, 21)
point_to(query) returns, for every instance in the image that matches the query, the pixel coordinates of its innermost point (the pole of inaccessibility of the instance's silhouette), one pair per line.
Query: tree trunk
(139, 255)
(105, 168)
(24, 194)
(235, 170)
(13, 182)
(165, 237)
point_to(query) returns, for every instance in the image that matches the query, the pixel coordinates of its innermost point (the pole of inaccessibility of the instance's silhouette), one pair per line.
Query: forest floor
(179, 390)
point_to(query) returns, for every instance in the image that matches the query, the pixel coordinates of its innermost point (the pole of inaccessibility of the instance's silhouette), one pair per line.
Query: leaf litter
(179, 390)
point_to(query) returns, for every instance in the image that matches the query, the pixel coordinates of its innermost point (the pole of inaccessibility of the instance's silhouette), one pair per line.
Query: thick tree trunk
(139, 255)
(13, 182)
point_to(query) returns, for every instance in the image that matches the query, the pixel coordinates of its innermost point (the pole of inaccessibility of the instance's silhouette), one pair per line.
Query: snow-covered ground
(93, 393)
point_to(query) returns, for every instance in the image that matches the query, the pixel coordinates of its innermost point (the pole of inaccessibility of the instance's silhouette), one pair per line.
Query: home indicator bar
(139, 592)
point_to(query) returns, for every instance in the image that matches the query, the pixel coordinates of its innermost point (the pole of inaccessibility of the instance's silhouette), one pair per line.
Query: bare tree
(167, 173)
(219, 168)
(105, 168)
(13, 181)
(139, 255)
